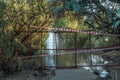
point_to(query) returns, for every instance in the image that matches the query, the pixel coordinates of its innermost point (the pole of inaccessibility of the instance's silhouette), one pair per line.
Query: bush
(1, 73)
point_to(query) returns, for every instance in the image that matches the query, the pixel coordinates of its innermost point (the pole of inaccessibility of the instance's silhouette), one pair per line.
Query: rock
(114, 58)
(96, 72)
(53, 72)
(36, 73)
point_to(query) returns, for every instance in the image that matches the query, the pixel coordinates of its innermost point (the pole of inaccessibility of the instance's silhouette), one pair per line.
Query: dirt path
(73, 74)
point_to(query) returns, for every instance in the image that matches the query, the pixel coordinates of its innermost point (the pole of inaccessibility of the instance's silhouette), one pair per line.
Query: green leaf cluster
(98, 16)
(26, 19)
(116, 19)
(70, 5)
(2, 21)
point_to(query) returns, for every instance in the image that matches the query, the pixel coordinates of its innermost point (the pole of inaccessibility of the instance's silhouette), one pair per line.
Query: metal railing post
(56, 50)
(41, 54)
(90, 47)
(76, 49)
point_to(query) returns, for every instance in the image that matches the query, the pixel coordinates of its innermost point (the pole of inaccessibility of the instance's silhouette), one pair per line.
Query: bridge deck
(73, 74)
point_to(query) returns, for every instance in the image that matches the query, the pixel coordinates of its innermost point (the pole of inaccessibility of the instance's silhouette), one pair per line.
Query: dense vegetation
(21, 21)
(98, 14)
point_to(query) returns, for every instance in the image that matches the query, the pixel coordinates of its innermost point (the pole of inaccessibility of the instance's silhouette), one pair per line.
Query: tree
(97, 14)
(25, 18)
(22, 21)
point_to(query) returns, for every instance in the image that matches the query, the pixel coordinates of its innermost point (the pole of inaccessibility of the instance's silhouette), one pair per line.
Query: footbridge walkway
(73, 74)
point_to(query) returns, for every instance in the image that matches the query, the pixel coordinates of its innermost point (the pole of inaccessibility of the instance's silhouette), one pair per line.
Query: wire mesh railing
(78, 48)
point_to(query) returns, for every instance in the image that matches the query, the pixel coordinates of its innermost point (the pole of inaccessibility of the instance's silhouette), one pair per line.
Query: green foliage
(109, 14)
(20, 64)
(22, 15)
(2, 44)
(9, 52)
(60, 23)
(116, 1)
(2, 21)
(1, 70)
(117, 23)
(70, 5)
(100, 41)
(2, 73)
(20, 35)
(77, 7)
(98, 16)
(58, 9)
(72, 40)
(116, 19)
(24, 49)
(8, 49)
(67, 5)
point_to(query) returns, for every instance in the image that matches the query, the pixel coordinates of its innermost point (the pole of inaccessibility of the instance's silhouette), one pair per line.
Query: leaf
(77, 7)
(2, 23)
(2, 73)
(9, 52)
(58, 9)
(67, 5)
(109, 13)
(2, 43)
(24, 50)
(116, 25)
(118, 11)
